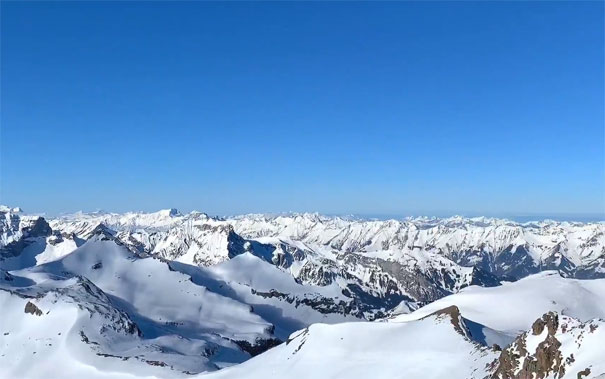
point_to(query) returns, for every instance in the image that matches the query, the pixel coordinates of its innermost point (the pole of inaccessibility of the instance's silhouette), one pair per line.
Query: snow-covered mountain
(478, 333)
(167, 294)
(384, 262)
(129, 309)
(370, 284)
(438, 346)
(502, 247)
(373, 265)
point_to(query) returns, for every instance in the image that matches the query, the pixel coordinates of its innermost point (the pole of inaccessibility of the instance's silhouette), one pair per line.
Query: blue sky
(370, 108)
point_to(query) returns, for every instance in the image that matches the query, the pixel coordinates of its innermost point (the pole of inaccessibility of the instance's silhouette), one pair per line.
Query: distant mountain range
(170, 295)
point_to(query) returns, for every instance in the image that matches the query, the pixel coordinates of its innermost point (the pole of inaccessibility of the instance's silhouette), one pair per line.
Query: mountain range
(166, 294)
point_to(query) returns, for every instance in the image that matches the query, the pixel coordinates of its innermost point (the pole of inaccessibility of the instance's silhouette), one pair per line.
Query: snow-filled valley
(166, 294)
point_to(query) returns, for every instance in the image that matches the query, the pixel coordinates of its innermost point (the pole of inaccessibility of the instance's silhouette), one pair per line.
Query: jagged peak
(101, 231)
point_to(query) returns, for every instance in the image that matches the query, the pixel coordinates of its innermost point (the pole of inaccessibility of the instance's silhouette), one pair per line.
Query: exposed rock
(156, 363)
(31, 308)
(545, 358)
(549, 320)
(260, 345)
(584, 373)
(17, 233)
(97, 265)
(453, 313)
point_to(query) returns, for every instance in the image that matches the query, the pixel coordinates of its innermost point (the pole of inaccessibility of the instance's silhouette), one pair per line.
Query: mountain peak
(6, 209)
(172, 212)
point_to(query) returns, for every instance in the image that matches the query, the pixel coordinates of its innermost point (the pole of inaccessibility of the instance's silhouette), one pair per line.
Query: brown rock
(32, 309)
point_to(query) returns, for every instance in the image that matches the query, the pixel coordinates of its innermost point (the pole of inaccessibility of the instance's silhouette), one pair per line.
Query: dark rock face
(515, 263)
(39, 228)
(506, 365)
(593, 270)
(322, 274)
(104, 233)
(281, 255)
(556, 260)
(473, 258)
(31, 308)
(423, 287)
(321, 304)
(235, 243)
(6, 276)
(97, 266)
(484, 278)
(260, 345)
(156, 363)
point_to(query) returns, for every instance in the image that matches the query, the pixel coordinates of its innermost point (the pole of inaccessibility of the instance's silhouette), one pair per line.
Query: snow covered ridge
(441, 345)
(501, 247)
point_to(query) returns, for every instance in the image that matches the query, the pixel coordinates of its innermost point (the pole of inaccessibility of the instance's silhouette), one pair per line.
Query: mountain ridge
(204, 293)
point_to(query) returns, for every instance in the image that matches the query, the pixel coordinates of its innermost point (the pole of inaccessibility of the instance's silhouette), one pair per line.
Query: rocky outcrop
(31, 308)
(17, 233)
(258, 347)
(540, 353)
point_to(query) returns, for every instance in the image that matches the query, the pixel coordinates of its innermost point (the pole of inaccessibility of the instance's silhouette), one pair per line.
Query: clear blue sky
(371, 108)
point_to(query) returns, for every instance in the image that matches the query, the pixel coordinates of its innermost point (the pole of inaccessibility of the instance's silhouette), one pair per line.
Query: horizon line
(519, 217)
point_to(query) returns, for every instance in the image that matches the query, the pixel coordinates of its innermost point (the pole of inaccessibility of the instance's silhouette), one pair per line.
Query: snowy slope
(427, 348)
(70, 326)
(513, 307)
(451, 338)
(272, 293)
(441, 345)
(175, 316)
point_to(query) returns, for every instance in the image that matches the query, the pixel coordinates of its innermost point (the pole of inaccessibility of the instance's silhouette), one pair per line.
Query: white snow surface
(428, 348)
(423, 344)
(184, 326)
(513, 307)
